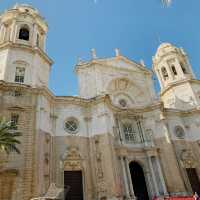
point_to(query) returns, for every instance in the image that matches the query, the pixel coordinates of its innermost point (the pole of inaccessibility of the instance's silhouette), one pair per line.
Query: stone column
(167, 67)
(44, 43)
(125, 177)
(34, 36)
(161, 177)
(3, 32)
(12, 31)
(153, 176)
(129, 179)
(160, 78)
(15, 35)
(178, 68)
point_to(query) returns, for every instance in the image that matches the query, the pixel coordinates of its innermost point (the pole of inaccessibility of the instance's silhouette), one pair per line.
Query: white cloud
(167, 2)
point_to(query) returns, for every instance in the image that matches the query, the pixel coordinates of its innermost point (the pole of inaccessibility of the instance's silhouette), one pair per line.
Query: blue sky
(133, 26)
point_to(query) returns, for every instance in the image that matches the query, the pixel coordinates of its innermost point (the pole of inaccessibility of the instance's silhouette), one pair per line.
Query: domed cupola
(22, 47)
(171, 65)
(23, 25)
(163, 49)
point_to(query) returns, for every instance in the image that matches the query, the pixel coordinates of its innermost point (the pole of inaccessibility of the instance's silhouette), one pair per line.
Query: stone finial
(94, 55)
(142, 62)
(183, 51)
(16, 5)
(79, 60)
(117, 52)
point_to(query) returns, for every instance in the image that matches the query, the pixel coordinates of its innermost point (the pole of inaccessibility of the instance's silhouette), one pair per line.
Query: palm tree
(8, 137)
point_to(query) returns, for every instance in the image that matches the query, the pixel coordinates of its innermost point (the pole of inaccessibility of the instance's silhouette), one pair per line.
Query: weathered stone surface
(117, 119)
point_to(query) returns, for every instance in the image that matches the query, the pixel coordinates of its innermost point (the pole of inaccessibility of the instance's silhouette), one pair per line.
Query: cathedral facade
(115, 140)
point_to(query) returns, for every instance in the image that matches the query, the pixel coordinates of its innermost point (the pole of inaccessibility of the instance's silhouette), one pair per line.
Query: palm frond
(8, 137)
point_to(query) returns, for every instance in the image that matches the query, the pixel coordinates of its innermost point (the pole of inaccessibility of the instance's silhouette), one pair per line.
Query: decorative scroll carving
(187, 158)
(72, 159)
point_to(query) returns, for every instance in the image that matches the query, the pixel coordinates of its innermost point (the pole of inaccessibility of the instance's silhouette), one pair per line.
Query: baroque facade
(116, 140)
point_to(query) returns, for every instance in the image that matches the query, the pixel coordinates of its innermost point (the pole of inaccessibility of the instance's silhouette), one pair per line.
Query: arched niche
(24, 33)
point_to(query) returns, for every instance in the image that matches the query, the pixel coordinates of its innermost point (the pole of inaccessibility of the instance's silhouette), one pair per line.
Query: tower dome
(164, 49)
(23, 24)
(171, 65)
(22, 43)
(165, 45)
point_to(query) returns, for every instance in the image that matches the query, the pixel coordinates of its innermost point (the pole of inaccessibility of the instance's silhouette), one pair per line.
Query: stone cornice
(31, 49)
(176, 112)
(170, 86)
(126, 151)
(135, 110)
(103, 62)
(5, 85)
(62, 100)
(33, 13)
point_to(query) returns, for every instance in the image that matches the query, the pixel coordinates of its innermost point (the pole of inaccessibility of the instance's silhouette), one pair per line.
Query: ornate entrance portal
(194, 179)
(74, 182)
(138, 181)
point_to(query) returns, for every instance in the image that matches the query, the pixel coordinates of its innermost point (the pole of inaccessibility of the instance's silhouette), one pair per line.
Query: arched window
(24, 33)
(174, 70)
(38, 40)
(183, 68)
(179, 132)
(164, 73)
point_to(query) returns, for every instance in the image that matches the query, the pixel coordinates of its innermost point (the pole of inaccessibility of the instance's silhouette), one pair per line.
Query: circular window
(71, 125)
(122, 103)
(180, 133)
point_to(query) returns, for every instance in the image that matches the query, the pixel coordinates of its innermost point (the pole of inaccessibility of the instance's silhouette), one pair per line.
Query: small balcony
(136, 140)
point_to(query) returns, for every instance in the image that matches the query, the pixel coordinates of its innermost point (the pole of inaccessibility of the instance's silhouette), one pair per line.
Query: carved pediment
(124, 63)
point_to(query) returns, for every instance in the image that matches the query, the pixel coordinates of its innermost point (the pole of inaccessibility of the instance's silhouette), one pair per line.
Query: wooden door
(73, 181)
(194, 179)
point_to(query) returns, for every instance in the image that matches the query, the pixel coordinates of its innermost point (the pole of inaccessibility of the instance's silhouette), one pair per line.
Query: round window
(71, 125)
(123, 103)
(180, 133)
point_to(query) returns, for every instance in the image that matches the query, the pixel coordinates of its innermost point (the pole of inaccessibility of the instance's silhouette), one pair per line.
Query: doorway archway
(194, 179)
(73, 182)
(138, 181)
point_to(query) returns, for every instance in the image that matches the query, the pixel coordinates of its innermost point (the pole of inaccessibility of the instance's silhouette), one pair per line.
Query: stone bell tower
(22, 47)
(24, 66)
(179, 87)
